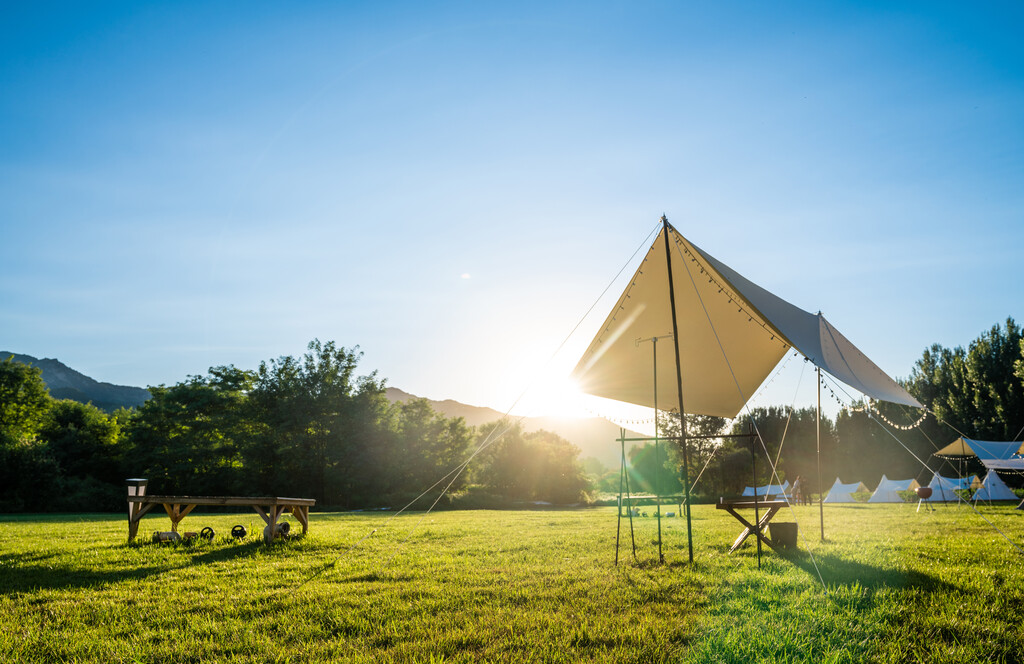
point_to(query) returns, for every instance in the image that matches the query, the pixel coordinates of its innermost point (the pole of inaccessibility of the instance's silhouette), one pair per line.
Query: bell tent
(993, 488)
(887, 490)
(944, 488)
(843, 493)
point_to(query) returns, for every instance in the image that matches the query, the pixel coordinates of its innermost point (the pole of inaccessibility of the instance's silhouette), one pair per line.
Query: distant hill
(594, 436)
(66, 383)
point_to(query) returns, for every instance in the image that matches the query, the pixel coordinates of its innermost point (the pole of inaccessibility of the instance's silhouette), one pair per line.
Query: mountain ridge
(67, 383)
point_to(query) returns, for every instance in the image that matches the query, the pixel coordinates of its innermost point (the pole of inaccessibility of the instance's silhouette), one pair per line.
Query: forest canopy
(307, 426)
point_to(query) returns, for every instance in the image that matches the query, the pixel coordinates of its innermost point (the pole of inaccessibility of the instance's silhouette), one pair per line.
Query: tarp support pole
(817, 426)
(753, 467)
(624, 477)
(679, 387)
(657, 448)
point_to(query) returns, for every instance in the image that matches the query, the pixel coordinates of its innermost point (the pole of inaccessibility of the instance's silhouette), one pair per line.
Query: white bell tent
(888, 490)
(843, 493)
(993, 488)
(944, 488)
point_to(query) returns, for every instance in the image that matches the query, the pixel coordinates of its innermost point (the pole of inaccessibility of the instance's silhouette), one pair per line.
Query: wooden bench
(178, 507)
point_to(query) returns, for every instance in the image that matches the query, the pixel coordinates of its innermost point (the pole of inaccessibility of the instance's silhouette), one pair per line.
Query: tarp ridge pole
(679, 387)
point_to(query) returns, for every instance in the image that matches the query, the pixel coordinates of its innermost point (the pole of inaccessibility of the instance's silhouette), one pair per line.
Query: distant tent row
(943, 489)
(994, 455)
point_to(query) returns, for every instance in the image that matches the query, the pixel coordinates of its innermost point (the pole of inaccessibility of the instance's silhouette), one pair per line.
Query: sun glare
(556, 396)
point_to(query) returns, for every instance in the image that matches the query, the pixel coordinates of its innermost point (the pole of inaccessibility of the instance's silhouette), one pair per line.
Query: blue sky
(450, 186)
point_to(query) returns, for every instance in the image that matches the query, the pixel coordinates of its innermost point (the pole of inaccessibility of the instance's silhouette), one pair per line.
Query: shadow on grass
(22, 573)
(35, 578)
(837, 571)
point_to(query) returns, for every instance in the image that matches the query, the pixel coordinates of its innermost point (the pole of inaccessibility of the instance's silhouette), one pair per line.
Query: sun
(555, 396)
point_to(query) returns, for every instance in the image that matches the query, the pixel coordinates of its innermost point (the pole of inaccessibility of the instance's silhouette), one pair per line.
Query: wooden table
(770, 507)
(178, 507)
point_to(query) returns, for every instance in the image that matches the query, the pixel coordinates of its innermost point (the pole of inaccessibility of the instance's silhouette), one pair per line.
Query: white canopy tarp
(887, 490)
(1014, 464)
(944, 488)
(983, 449)
(994, 488)
(732, 334)
(768, 489)
(843, 493)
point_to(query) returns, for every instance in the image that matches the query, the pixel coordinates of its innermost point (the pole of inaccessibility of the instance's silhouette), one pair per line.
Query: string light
(722, 287)
(733, 298)
(869, 408)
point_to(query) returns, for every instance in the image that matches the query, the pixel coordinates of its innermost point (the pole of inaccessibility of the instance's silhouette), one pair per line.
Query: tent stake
(679, 387)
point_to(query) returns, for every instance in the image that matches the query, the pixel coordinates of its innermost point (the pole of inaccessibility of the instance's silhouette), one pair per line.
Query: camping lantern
(137, 487)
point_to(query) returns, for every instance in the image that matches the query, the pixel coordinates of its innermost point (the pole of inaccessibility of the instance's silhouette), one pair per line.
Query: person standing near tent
(798, 491)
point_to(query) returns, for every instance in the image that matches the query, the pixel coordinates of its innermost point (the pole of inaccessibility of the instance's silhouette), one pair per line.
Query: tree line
(296, 426)
(310, 426)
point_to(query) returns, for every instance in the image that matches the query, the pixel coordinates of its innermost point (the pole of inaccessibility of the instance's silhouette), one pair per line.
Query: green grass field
(888, 585)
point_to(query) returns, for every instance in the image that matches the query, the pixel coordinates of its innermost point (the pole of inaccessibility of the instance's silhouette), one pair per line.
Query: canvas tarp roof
(994, 488)
(983, 449)
(732, 334)
(887, 489)
(843, 493)
(944, 488)
(768, 489)
(1015, 464)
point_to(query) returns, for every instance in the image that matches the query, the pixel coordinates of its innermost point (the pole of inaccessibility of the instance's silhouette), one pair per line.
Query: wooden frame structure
(772, 508)
(178, 507)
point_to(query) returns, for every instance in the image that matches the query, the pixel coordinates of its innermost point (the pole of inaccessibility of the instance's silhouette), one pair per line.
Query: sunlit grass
(888, 585)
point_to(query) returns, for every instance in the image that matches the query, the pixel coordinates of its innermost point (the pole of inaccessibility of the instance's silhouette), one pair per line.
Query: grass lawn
(888, 585)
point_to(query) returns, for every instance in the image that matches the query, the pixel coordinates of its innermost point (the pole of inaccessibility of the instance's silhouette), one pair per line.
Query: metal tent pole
(657, 450)
(659, 468)
(817, 424)
(632, 534)
(622, 471)
(757, 515)
(679, 387)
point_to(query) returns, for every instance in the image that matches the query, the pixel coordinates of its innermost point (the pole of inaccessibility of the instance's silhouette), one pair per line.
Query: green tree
(85, 443)
(425, 447)
(188, 438)
(24, 400)
(324, 429)
(538, 466)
